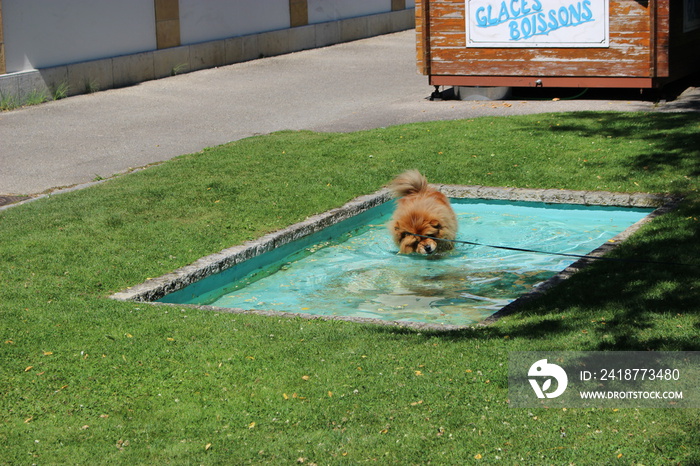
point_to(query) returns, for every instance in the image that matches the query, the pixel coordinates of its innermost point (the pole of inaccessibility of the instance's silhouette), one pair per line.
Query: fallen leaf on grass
(28, 368)
(207, 446)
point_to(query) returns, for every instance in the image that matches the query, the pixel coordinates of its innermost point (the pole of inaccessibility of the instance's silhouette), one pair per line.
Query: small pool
(352, 268)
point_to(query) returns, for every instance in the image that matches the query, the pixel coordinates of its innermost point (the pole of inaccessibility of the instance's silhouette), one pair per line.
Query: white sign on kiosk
(537, 23)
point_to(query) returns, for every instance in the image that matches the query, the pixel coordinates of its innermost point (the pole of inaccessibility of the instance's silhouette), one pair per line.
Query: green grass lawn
(84, 379)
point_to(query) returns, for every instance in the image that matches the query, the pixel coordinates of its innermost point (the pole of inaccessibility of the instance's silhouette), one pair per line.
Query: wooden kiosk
(557, 43)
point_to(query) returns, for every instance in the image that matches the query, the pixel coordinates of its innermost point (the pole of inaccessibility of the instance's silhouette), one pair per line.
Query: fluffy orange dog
(421, 210)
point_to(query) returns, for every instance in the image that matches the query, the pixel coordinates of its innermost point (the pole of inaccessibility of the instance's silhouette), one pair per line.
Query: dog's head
(409, 234)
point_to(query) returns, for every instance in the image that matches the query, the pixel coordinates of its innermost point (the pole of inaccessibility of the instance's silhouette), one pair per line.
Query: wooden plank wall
(639, 40)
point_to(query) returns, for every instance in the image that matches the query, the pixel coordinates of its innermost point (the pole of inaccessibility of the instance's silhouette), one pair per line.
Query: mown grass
(85, 379)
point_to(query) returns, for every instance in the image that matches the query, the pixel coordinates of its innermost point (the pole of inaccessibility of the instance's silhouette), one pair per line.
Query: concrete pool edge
(156, 288)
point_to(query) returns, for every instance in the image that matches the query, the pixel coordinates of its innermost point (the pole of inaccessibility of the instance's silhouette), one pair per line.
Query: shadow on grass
(628, 306)
(644, 306)
(671, 148)
(618, 306)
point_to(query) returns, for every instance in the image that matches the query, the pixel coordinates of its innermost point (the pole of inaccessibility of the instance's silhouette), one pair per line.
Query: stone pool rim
(156, 288)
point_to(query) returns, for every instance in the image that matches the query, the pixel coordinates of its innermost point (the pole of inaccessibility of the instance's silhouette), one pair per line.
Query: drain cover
(5, 200)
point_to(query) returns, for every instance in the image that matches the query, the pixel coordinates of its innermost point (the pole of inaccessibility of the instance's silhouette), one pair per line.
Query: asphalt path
(358, 85)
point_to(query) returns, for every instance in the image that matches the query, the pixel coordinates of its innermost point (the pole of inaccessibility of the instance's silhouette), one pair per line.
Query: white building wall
(321, 11)
(40, 34)
(205, 20)
(45, 33)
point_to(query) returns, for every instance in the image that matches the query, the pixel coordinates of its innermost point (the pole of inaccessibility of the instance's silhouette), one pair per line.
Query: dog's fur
(421, 210)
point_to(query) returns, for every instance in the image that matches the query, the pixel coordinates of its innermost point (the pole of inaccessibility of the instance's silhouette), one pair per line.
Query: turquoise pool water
(352, 269)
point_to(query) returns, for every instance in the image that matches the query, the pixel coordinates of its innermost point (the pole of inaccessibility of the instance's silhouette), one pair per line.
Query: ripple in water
(361, 274)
